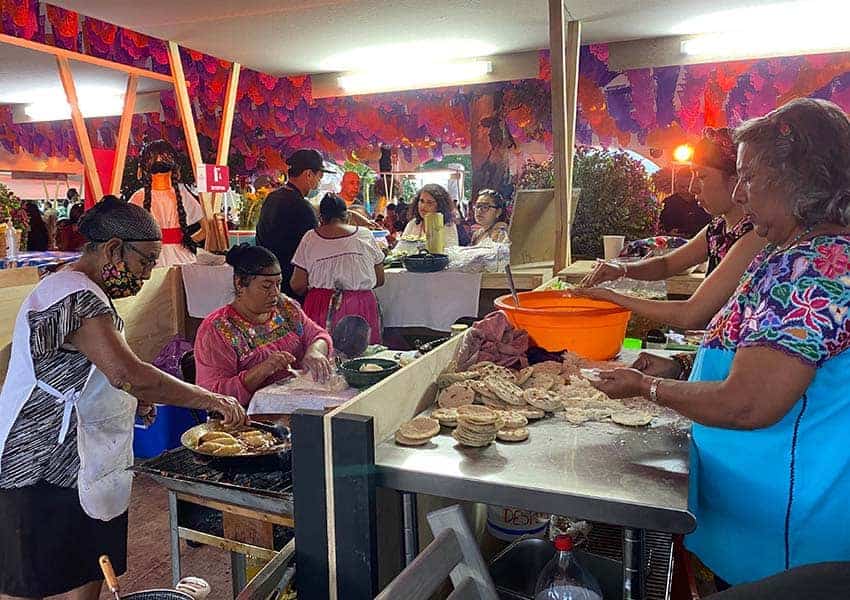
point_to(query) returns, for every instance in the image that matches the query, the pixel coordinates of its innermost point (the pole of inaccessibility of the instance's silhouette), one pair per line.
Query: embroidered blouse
(228, 345)
(720, 239)
(795, 301)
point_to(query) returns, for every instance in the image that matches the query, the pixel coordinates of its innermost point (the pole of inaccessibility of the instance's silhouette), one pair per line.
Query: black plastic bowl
(355, 378)
(426, 263)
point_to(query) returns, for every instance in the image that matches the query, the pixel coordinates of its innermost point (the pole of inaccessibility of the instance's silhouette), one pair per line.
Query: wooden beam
(571, 84)
(184, 107)
(92, 60)
(124, 128)
(227, 113)
(79, 123)
(224, 135)
(563, 51)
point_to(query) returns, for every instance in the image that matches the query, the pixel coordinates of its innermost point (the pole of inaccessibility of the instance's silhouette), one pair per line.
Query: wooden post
(564, 40)
(571, 70)
(224, 135)
(79, 124)
(227, 113)
(77, 56)
(124, 128)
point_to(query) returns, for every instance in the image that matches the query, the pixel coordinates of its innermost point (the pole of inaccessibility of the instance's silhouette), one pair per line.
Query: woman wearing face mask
(714, 178)
(174, 208)
(255, 340)
(489, 211)
(67, 409)
(729, 243)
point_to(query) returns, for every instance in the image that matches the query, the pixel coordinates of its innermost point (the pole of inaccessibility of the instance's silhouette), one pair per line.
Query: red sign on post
(213, 178)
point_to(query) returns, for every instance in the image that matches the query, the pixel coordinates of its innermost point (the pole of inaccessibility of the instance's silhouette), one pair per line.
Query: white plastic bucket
(507, 523)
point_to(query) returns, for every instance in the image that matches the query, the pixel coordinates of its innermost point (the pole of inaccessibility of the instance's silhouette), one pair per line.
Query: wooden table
(678, 285)
(526, 277)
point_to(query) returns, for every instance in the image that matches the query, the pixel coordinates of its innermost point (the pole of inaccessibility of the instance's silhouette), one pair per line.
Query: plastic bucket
(507, 524)
(556, 321)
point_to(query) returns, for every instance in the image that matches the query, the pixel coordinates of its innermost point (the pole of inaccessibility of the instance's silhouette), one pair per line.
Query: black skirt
(49, 545)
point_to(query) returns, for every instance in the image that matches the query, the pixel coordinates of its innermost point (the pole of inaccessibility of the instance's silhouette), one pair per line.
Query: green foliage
(12, 207)
(536, 175)
(616, 199)
(453, 159)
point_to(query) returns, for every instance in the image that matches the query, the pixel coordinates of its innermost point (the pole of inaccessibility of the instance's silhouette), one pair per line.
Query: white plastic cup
(613, 245)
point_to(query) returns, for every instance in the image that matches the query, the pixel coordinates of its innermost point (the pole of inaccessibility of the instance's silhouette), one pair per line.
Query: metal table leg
(634, 561)
(238, 576)
(175, 537)
(411, 527)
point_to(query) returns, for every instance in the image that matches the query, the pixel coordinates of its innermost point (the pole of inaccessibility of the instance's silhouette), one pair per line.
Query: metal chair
(454, 552)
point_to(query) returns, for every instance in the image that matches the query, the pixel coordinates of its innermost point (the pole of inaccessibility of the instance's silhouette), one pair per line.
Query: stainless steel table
(634, 478)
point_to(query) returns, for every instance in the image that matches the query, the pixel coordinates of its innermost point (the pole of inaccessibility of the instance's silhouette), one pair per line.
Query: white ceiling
(299, 36)
(27, 76)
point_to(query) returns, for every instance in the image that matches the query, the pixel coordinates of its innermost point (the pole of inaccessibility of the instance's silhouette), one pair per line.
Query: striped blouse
(32, 453)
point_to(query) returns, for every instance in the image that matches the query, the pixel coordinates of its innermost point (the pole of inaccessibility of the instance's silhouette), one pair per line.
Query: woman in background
(70, 239)
(714, 179)
(490, 215)
(255, 340)
(37, 236)
(337, 266)
(432, 198)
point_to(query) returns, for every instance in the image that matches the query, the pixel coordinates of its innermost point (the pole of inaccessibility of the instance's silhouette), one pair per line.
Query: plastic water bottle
(563, 578)
(11, 241)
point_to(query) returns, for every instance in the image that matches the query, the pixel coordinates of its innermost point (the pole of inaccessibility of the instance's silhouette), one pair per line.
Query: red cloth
(172, 236)
(361, 303)
(493, 338)
(104, 162)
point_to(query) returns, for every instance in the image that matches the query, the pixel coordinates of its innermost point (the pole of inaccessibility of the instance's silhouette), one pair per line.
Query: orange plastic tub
(555, 321)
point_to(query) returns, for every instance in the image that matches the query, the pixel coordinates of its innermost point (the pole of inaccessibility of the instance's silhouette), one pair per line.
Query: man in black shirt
(286, 215)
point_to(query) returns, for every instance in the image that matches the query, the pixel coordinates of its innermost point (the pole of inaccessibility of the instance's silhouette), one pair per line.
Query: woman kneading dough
(67, 408)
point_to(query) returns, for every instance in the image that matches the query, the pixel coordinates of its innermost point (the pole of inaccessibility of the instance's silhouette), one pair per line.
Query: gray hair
(803, 148)
(113, 218)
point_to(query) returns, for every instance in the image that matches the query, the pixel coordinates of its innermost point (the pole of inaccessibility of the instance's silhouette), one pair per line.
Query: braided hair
(149, 153)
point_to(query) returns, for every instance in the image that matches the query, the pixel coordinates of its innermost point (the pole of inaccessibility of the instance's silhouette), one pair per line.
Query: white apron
(105, 415)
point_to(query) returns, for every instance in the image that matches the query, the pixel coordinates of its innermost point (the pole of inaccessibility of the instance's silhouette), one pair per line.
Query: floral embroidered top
(228, 345)
(720, 239)
(795, 301)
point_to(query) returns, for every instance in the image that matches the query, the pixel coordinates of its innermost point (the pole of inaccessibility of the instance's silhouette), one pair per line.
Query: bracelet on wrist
(653, 389)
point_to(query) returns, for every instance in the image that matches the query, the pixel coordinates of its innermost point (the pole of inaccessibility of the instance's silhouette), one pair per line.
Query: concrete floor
(149, 551)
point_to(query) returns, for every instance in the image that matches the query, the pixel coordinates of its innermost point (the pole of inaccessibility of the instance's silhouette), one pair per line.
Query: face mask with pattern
(119, 281)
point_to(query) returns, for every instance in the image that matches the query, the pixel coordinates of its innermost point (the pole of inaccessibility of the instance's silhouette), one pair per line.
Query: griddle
(249, 476)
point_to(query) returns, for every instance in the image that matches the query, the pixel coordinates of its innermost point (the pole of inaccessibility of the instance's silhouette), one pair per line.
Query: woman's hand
(602, 272)
(622, 383)
(317, 364)
(657, 366)
(277, 362)
(147, 412)
(232, 413)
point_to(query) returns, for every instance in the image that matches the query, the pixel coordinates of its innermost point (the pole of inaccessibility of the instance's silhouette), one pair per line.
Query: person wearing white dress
(432, 198)
(176, 211)
(337, 266)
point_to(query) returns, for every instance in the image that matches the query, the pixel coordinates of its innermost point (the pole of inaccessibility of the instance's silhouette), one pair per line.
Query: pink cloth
(361, 303)
(493, 338)
(227, 346)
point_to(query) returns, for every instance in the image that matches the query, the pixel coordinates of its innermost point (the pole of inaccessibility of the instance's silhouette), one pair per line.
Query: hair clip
(784, 129)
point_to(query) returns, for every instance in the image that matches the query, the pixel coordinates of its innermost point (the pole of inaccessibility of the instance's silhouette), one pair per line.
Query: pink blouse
(228, 345)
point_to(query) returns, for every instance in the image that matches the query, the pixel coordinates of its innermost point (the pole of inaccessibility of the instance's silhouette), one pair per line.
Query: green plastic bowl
(351, 371)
